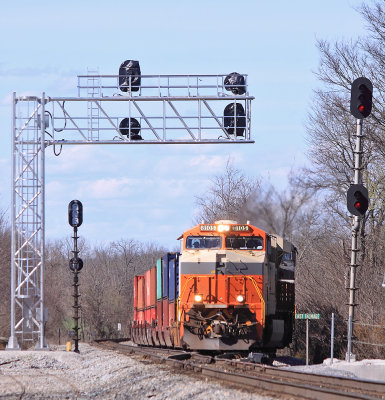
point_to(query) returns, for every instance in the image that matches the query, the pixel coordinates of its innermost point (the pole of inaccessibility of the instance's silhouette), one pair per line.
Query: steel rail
(271, 379)
(355, 384)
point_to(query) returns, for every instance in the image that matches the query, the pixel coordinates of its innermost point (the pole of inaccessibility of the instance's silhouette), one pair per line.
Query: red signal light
(357, 200)
(361, 98)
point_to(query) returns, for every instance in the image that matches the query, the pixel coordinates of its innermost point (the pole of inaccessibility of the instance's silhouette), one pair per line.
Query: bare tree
(227, 196)
(107, 297)
(280, 212)
(5, 273)
(106, 285)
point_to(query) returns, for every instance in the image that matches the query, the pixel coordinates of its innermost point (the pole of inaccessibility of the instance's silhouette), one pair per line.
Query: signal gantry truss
(168, 109)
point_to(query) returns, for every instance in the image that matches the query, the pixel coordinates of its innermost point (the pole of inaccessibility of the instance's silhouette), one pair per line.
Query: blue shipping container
(171, 276)
(165, 275)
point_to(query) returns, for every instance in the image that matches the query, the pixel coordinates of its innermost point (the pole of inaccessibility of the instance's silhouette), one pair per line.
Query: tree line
(106, 288)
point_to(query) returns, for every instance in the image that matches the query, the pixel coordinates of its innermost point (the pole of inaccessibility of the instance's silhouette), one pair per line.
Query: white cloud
(108, 188)
(212, 162)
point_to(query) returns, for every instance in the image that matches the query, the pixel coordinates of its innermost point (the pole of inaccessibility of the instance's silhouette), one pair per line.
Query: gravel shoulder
(101, 374)
(371, 370)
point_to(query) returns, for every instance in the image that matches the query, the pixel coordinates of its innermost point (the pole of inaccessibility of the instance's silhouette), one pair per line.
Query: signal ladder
(93, 90)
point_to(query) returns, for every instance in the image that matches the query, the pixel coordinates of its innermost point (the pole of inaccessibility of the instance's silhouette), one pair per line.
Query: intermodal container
(159, 314)
(165, 319)
(177, 276)
(153, 287)
(140, 292)
(147, 315)
(135, 292)
(173, 275)
(159, 279)
(165, 275)
(171, 311)
(152, 314)
(147, 284)
(140, 316)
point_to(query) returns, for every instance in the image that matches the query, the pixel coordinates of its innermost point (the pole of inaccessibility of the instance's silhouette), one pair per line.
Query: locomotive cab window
(244, 242)
(203, 242)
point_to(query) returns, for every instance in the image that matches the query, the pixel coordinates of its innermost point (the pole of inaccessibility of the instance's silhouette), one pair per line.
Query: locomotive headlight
(240, 298)
(198, 298)
(223, 228)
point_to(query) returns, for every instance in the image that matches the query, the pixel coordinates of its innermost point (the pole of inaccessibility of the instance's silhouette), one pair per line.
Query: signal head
(361, 98)
(129, 76)
(234, 119)
(130, 124)
(357, 200)
(75, 213)
(76, 265)
(235, 83)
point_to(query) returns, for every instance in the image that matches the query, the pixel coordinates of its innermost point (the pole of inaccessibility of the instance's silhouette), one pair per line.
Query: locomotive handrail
(182, 293)
(260, 297)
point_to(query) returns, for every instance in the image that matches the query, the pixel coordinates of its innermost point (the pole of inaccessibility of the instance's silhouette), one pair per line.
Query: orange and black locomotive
(230, 288)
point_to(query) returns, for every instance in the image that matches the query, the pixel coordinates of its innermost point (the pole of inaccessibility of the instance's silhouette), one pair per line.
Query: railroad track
(250, 375)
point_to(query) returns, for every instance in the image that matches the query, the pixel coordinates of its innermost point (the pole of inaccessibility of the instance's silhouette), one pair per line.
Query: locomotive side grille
(285, 296)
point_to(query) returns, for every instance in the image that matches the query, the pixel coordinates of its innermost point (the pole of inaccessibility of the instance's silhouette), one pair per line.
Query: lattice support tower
(171, 109)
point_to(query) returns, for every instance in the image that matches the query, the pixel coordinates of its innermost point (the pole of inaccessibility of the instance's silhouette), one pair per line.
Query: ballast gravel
(102, 374)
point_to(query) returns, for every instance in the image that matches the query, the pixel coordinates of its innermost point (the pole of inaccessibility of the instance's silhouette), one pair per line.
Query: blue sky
(147, 192)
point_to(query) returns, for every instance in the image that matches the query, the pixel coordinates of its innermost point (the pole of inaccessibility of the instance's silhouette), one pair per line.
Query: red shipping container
(147, 315)
(159, 313)
(165, 320)
(152, 286)
(140, 316)
(135, 292)
(140, 292)
(171, 311)
(147, 285)
(152, 314)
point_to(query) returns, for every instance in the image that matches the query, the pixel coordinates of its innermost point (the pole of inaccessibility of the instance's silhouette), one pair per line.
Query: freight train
(231, 288)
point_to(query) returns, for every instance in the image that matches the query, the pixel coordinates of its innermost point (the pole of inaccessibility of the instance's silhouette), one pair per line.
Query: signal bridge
(109, 109)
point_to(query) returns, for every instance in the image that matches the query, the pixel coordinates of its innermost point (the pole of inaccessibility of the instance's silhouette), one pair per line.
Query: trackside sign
(307, 316)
